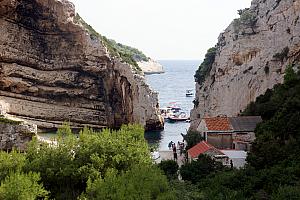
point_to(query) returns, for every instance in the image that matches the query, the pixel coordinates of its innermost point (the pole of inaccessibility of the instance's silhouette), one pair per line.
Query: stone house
(243, 131)
(238, 157)
(207, 149)
(229, 132)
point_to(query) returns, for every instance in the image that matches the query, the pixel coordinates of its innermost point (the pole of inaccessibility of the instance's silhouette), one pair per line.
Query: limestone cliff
(54, 69)
(251, 56)
(151, 67)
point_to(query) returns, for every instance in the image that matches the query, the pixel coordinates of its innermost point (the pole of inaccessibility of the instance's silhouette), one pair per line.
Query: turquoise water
(172, 86)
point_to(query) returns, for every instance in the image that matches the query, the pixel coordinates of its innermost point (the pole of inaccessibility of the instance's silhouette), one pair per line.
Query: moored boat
(171, 110)
(178, 117)
(189, 93)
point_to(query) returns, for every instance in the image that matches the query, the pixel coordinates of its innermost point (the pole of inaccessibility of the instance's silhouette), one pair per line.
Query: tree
(287, 192)
(20, 186)
(10, 162)
(290, 76)
(140, 182)
(170, 168)
(192, 138)
(66, 166)
(199, 169)
(206, 66)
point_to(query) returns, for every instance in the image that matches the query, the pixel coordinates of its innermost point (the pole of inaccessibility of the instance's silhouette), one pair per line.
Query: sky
(162, 29)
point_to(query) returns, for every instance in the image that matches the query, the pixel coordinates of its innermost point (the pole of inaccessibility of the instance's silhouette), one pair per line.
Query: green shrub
(287, 192)
(66, 166)
(140, 182)
(170, 168)
(206, 66)
(4, 120)
(247, 18)
(197, 170)
(192, 138)
(20, 186)
(10, 162)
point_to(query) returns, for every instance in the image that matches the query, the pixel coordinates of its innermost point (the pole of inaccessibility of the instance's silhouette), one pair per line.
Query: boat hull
(174, 119)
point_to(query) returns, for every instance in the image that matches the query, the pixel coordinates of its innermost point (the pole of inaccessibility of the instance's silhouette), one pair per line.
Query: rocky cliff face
(53, 70)
(252, 54)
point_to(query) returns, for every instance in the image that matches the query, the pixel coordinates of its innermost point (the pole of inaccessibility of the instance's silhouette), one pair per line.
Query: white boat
(171, 110)
(189, 93)
(166, 112)
(178, 117)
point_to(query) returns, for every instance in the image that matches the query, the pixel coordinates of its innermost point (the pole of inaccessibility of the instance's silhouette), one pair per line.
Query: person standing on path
(174, 148)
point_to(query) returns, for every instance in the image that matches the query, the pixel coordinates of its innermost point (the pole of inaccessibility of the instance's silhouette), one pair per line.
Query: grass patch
(4, 120)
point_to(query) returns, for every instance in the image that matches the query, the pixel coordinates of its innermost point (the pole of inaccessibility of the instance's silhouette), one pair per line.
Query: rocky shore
(151, 67)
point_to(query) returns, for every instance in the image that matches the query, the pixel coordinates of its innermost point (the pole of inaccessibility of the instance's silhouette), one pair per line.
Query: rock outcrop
(53, 69)
(14, 133)
(151, 67)
(252, 54)
(16, 136)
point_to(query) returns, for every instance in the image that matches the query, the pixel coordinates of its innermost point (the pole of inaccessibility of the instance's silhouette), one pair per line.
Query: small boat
(189, 93)
(172, 109)
(178, 117)
(166, 112)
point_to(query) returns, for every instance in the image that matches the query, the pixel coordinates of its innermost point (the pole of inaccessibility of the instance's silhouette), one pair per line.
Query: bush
(170, 168)
(206, 66)
(278, 135)
(4, 120)
(19, 186)
(66, 167)
(10, 162)
(140, 182)
(247, 18)
(192, 138)
(287, 192)
(197, 170)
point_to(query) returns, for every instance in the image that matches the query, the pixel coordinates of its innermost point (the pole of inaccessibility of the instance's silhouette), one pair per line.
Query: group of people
(172, 146)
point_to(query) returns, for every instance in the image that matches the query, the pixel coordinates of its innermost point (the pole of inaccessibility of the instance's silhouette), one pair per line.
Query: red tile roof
(218, 124)
(198, 149)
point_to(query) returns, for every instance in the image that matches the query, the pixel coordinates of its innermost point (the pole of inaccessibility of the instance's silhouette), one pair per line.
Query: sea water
(172, 86)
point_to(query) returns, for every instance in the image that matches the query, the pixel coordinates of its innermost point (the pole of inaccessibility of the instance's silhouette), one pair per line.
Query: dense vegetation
(91, 165)
(206, 66)
(128, 54)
